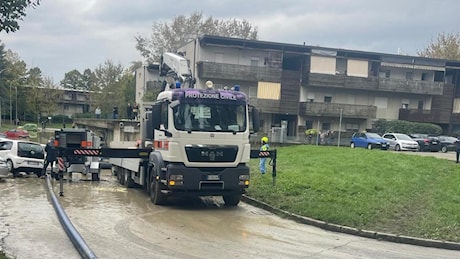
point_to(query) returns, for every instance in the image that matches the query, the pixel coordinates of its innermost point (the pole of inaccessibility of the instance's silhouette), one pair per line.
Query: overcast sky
(61, 35)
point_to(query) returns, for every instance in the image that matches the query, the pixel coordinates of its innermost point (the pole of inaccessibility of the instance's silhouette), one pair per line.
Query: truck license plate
(213, 177)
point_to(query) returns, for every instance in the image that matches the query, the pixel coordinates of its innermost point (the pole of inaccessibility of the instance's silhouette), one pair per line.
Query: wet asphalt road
(122, 223)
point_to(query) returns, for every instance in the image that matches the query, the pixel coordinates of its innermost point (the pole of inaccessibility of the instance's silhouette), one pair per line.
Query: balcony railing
(211, 70)
(376, 84)
(333, 110)
(435, 116)
(275, 106)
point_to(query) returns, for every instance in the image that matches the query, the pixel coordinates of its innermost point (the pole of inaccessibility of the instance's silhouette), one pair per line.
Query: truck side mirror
(255, 120)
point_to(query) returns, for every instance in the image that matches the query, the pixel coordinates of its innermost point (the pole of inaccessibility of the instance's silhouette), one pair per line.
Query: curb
(352, 231)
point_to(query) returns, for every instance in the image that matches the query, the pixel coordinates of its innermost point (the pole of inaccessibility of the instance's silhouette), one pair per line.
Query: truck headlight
(244, 177)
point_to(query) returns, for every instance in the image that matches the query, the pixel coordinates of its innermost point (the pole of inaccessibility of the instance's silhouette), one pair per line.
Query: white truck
(197, 140)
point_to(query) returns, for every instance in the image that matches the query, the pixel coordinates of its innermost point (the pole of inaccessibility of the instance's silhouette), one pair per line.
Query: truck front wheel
(232, 200)
(156, 196)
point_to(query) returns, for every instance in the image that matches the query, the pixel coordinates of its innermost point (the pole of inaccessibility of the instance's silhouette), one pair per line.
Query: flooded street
(117, 222)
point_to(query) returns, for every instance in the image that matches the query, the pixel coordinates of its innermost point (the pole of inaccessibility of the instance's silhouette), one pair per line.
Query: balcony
(213, 70)
(376, 84)
(333, 110)
(434, 116)
(275, 106)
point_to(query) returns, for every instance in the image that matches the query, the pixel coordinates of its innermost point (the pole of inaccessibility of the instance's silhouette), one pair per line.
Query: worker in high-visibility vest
(263, 148)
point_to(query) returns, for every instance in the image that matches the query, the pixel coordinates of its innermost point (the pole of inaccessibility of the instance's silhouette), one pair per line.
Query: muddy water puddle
(122, 223)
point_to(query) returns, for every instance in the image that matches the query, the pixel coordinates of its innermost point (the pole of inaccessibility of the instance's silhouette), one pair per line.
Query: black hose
(72, 233)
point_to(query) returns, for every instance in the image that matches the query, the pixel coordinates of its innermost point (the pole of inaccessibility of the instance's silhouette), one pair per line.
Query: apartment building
(73, 101)
(297, 87)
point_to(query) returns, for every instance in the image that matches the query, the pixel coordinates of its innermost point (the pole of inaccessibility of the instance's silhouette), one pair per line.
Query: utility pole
(16, 112)
(340, 126)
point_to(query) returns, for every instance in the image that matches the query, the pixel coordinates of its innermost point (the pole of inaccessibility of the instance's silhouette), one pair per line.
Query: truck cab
(201, 143)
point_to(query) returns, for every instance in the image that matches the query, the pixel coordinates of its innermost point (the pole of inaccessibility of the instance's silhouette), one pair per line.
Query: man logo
(212, 155)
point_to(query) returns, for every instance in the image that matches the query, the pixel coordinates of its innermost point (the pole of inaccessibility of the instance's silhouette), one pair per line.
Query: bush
(406, 127)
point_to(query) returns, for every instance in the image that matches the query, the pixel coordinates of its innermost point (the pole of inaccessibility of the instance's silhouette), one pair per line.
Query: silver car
(401, 142)
(3, 168)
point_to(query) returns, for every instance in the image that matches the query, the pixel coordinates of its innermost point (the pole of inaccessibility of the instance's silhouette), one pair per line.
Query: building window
(352, 127)
(420, 104)
(219, 58)
(252, 92)
(325, 127)
(409, 75)
(327, 99)
(255, 61)
(424, 76)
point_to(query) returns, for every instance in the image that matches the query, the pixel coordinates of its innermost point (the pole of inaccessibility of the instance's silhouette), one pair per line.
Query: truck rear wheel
(121, 176)
(95, 176)
(128, 181)
(232, 200)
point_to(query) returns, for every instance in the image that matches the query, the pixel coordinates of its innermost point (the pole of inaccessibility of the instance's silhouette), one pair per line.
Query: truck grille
(205, 153)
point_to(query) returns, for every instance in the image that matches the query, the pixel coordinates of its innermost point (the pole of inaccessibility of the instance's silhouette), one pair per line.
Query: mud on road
(122, 223)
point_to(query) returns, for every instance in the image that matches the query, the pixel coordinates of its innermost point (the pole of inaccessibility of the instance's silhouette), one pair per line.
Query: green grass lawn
(376, 190)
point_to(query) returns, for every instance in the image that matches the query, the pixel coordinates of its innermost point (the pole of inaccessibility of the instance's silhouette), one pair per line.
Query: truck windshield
(211, 117)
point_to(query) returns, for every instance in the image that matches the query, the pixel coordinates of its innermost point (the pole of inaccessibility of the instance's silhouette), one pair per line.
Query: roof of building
(308, 50)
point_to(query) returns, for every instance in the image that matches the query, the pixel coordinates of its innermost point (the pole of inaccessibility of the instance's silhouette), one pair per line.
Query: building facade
(298, 87)
(73, 101)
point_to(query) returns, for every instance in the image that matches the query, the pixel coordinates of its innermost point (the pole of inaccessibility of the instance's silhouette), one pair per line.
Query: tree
(13, 10)
(168, 37)
(73, 80)
(42, 98)
(446, 46)
(108, 86)
(15, 77)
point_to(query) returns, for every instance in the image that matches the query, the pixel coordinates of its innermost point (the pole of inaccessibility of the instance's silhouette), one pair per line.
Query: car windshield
(213, 117)
(373, 135)
(30, 150)
(403, 137)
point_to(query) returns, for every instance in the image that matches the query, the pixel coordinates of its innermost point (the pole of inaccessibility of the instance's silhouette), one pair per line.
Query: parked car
(22, 156)
(447, 143)
(31, 128)
(401, 142)
(17, 133)
(3, 168)
(368, 140)
(427, 143)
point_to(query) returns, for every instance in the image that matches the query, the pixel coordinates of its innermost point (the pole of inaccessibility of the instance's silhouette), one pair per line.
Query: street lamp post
(16, 118)
(11, 108)
(340, 127)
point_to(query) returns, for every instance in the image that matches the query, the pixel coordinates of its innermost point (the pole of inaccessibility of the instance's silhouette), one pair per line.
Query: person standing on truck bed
(129, 111)
(135, 111)
(51, 157)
